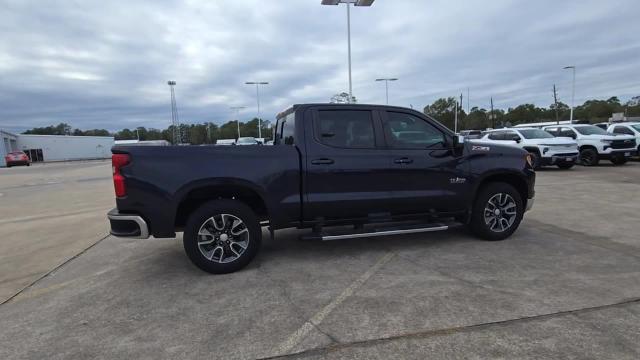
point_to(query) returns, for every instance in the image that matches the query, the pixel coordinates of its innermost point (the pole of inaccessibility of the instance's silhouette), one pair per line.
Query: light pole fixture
(348, 3)
(573, 89)
(237, 110)
(177, 136)
(386, 85)
(257, 84)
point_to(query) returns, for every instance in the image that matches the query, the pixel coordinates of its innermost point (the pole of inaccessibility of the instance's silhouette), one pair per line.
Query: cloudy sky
(104, 64)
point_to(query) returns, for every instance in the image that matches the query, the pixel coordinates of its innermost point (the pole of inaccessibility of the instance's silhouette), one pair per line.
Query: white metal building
(8, 143)
(61, 147)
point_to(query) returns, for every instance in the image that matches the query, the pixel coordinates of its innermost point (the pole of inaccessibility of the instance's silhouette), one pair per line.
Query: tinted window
(405, 131)
(285, 130)
(590, 130)
(566, 132)
(535, 134)
(345, 129)
(622, 130)
(552, 130)
(498, 135)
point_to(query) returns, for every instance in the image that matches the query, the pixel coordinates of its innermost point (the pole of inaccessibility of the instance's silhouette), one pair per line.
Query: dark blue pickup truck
(379, 170)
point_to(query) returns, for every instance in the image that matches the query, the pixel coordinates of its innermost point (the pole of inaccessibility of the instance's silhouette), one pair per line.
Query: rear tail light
(117, 162)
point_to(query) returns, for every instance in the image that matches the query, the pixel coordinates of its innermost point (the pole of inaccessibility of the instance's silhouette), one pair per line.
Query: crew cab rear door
(347, 167)
(429, 176)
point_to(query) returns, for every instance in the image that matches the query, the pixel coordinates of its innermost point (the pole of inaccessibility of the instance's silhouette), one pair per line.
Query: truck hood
(483, 146)
(553, 141)
(608, 137)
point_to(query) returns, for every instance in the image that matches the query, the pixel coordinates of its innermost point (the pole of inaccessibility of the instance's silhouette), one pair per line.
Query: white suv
(596, 144)
(627, 128)
(545, 149)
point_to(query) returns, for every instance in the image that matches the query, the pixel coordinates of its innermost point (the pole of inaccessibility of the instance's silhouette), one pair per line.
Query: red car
(17, 158)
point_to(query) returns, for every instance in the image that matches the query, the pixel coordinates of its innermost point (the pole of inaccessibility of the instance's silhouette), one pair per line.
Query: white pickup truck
(596, 144)
(627, 128)
(545, 149)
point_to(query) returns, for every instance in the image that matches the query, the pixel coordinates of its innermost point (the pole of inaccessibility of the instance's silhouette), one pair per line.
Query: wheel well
(196, 197)
(518, 183)
(584, 147)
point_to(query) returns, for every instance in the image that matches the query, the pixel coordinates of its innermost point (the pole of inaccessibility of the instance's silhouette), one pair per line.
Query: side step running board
(376, 232)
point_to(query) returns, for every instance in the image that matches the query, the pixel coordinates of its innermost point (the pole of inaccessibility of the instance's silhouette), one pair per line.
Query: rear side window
(406, 131)
(622, 130)
(345, 129)
(285, 130)
(566, 132)
(498, 135)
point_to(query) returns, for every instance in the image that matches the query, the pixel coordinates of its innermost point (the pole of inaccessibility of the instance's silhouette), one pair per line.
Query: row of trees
(479, 118)
(205, 133)
(442, 109)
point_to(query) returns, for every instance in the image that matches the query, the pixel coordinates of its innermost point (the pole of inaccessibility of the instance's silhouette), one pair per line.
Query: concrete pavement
(566, 285)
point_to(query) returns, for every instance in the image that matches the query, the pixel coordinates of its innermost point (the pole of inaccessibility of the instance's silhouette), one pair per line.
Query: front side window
(622, 130)
(567, 132)
(345, 129)
(590, 130)
(535, 134)
(498, 135)
(406, 131)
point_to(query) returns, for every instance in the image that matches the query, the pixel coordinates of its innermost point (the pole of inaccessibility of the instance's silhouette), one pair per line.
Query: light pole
(573, 88)
(355, 3)
(177, 138)
(237, 109)
(386, 85)
(257, 84)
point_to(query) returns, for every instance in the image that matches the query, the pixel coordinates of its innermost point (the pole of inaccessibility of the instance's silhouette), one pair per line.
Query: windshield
(636, 127)
(535, 134)
(590, 130)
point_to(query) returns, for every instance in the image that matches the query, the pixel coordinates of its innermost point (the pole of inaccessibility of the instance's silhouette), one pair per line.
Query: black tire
(565, 166)
(483, 229)
(619, 160)
(199, 219)
(589, 157)
(535, 159)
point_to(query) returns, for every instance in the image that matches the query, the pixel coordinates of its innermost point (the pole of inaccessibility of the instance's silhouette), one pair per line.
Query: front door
(428, 174)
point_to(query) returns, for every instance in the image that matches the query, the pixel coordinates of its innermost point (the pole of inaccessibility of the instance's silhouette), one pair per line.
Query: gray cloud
(105, 64)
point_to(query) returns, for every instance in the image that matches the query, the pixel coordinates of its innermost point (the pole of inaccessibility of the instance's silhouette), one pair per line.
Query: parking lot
(566, 285)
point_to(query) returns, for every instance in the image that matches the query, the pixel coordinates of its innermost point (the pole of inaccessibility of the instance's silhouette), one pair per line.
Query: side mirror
(517, 139)
(458, 141)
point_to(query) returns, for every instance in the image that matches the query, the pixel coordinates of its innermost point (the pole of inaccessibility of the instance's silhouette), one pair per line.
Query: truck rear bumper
(128, 225)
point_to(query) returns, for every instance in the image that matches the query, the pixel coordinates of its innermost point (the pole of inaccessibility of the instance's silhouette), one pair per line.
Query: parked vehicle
(16, 158)
(602, 125)
(225, 142)
(471, 134)
(385, 170)
(596, 144)
(545, 149)
(248, 141)
(627, 128)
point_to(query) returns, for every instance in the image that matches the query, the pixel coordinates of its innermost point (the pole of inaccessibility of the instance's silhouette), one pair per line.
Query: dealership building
(41, 148)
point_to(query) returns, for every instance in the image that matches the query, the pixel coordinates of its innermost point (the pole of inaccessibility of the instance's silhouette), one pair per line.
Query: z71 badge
(480, 148)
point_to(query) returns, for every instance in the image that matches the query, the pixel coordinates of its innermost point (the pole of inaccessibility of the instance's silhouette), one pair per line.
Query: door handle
(403, 160)
(322, 161)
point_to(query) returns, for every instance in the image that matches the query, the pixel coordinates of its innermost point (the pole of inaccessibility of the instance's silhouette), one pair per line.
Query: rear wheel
(589, 157)
(222, 236)
(619, 160)
(497, 211)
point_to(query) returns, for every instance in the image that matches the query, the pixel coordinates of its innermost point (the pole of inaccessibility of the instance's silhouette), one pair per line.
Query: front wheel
(589, 157)
(222, 236)
(497, 211)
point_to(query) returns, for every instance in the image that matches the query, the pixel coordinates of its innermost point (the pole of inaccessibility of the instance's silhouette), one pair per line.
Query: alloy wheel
(500, 212)
(223, 238)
